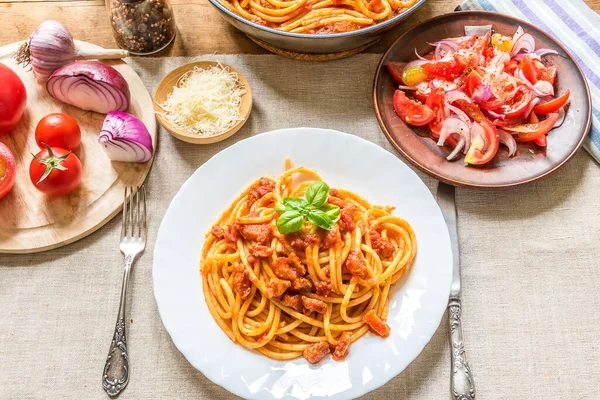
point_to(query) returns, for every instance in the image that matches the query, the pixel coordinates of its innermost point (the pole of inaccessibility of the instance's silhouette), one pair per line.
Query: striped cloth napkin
(576, 26)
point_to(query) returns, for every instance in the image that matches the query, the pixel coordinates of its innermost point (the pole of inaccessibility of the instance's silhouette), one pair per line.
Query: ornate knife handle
(461, 380)
(115, 376)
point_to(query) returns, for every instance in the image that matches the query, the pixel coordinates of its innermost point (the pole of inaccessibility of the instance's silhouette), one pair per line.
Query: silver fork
(133, 241)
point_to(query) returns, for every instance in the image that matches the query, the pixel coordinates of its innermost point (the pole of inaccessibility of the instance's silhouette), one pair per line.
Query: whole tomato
(13, 98)
(58, 130)
(7, 170)
(55, 171)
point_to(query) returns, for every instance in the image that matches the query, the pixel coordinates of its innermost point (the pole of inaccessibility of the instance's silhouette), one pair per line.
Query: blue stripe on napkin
(576, 26)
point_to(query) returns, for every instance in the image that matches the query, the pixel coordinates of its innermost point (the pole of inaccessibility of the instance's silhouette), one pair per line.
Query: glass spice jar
(142, 26)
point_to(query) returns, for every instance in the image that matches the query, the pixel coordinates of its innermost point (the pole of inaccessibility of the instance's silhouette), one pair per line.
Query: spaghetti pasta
(311, 292)
(317, 16)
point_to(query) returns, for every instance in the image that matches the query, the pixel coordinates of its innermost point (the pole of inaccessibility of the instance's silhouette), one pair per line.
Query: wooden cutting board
(32, 222)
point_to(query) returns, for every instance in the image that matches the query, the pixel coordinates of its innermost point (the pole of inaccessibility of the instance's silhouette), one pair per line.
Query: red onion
(90, 85)
(125, 138)
(518, 33)
(482, 93)
(499, 60)
(420, 57)
(518, 57)
(480, 30)
(459, 146)
(509, 141)
(495, 115)
(51, 46)
(525, 42)
(444, 47)
(454, 95)
(454, 125)
(460, 113)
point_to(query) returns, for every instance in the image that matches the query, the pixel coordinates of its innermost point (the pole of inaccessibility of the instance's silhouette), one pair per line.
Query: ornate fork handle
(461, 379)
(116, 370)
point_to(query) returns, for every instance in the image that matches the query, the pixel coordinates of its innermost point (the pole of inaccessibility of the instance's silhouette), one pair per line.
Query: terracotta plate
(530, 162)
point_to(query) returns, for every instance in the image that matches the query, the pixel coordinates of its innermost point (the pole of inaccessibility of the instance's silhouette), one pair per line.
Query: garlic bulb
(51, 46)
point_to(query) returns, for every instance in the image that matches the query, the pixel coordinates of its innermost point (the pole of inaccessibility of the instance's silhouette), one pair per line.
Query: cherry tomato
(553, 105)
(55, 171)
(7, 170)
(13, 98)
(484, 146)
(520, 103)
(413, 76)
(395, 70)
(58, 130)
(410, 111)
(436, 102)
(539, 129)
(448, 70)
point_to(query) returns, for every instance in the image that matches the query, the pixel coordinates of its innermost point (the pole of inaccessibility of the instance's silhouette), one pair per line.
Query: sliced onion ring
(509, 141)
(455, 125)
(454, 95)
(561, 118)
(525, 42)
(541, 88)
(459, 146)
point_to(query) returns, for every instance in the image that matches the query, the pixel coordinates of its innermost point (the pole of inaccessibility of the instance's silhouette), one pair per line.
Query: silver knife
(462, 385)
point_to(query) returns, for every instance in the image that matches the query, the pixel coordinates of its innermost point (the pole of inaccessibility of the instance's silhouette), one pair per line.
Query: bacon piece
(341, 348)
(260, 251)
(381, 245)
(257, 192)
(289, 267)
(218, 232)
(316, 352)
(299, 284)
(277, 287)
(356, 265)
(260, 233)
(314, 305)
(376, 324)
(332, 238)
(294, 302)
(241, 281)
(323, 288)
(232, 234)
(347, 218)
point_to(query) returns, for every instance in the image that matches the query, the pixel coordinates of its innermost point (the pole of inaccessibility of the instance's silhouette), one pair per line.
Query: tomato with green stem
(55, 171)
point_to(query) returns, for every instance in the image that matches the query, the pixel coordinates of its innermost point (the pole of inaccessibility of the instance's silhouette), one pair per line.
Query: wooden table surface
(200, 27)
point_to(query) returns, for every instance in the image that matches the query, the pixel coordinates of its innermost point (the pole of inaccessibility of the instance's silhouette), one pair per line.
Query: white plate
(416, 305)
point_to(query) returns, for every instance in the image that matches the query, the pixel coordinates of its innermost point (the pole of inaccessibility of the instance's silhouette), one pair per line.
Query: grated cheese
(205, 102)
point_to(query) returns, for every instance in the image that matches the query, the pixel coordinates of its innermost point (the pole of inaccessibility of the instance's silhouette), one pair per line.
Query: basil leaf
(321, 219)
(332, 211)
(296, 203)
(317, 194)
(280, 207)
(290, 221)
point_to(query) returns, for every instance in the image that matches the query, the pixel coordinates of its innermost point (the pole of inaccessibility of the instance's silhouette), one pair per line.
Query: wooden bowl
(530, 162)
(165, 87)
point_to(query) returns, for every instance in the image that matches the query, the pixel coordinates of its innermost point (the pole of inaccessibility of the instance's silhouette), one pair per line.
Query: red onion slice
(459, 146)
(482, 93)
(459, 113)
(420, 57)
(125, 138)
(509, 141)
(454, 95)
(91, 86)
(526, 43)
(454, 125)
(544, 52)
(444, 48)
(541, 88)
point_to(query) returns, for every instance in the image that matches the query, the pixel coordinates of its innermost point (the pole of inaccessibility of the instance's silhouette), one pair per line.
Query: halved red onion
(479, 30)
(454, 125)
(509, 141)
(125, 138)
(91, 86)
(525, 42)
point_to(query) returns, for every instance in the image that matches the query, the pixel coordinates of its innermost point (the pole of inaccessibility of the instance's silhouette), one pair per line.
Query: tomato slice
(484, 146)
(542, 141)
(491, 105)
(520, 103)
(421, 96)
(410, 111)
(448, 70)
(553, 105)
(511, 66)
(548, 74)
(435, 102)
(529, 68)
(473, 80)
(8, 168)
(471, 109)
(395, 69)
(539, 129)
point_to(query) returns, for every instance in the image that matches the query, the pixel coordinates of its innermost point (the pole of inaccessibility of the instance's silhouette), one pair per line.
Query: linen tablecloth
(530, 256)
